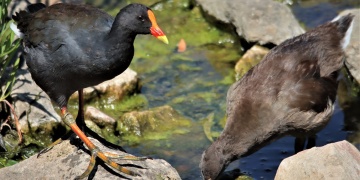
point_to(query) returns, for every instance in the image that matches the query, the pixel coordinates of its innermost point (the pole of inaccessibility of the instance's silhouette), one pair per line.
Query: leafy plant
(8, 65)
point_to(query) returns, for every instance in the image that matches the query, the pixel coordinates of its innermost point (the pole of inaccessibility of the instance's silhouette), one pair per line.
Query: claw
(95, 151)
(89, 168)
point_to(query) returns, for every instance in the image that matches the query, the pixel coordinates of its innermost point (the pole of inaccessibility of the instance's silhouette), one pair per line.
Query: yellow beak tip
(163, 39)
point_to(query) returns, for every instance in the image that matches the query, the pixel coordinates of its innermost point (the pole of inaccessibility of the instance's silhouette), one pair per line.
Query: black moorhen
(291, 91)
(69, 47)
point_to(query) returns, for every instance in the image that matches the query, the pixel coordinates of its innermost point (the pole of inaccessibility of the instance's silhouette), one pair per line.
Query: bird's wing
(305, 89)
(65, 23)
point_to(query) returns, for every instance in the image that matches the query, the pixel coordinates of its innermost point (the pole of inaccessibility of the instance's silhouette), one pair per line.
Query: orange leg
(81, 123)
(95, 151)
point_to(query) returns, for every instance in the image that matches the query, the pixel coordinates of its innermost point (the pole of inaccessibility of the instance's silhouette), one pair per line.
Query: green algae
(155, 124)
(207, 124)
(7, 162)
(116, 108)
(228, 80)
(244, 177)
(16, 152)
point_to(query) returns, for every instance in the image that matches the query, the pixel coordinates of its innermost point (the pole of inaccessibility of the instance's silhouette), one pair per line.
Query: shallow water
(315, 12)
(193, 87)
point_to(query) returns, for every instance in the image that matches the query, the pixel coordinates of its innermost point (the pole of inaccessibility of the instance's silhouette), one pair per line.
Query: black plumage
(69, 47)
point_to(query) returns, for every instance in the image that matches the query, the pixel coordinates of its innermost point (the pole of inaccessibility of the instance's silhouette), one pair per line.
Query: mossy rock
(154, 124)
(251, 58)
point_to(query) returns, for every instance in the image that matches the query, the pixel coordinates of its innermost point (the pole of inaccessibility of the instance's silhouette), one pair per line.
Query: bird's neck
(246, 139)
(230, 147)
(119, 51)
(119, 35)
(120, 30)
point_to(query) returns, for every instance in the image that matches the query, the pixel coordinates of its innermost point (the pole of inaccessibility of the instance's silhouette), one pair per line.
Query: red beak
(155, 29)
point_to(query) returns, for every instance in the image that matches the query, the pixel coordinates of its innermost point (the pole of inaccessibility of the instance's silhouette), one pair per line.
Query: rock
(340, 160)
(98, 117)
(157, 123)
(252, 57)
(262, 21)
(93, 126)
(116, 88)
(65, 161)
(353, 50)
(32, 105)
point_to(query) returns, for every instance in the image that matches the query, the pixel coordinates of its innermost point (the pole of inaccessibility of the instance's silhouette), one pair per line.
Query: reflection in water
(349, 100)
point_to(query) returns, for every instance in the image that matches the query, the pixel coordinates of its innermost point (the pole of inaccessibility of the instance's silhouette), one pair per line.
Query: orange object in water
(181, 46)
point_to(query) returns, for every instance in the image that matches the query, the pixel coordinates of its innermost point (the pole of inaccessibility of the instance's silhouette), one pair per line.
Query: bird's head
(141, 20)
(212, 162)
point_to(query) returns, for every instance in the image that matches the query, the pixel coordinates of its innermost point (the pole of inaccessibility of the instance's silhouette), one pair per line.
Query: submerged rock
(340, 160)
(262, 21)
(157, 123)
(251, 58)
(124, 84)
(353, 50)
(65, 161)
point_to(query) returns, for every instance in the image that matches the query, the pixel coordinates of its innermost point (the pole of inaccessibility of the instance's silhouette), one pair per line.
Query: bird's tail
(32, 8)
(345, 26)
(22, 18)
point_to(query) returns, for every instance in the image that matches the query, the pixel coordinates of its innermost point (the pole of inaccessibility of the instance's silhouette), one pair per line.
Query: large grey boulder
(262, 21)
(340, 160)
(32, 105)
(65, 161)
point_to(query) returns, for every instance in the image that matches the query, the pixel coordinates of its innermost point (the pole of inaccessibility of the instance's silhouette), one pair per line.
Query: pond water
(193, 86)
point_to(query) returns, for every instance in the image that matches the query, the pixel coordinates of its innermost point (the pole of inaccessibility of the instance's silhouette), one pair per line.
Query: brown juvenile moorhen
(291, 91)
(69, 47)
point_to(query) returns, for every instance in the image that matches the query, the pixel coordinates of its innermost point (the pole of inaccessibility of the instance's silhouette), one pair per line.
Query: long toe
(103, 156)
(125, 157)
(107, 160)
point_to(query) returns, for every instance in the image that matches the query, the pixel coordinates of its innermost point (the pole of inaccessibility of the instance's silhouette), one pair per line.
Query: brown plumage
(291, 91)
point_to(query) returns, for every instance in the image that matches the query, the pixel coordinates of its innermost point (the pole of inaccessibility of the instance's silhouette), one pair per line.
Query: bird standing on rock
(291, 91)
(69, 47)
